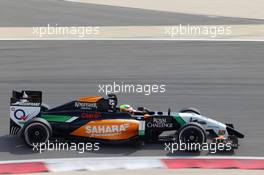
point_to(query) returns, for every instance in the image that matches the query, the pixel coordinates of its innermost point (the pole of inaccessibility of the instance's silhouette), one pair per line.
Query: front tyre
(191, 136)
(36, 133)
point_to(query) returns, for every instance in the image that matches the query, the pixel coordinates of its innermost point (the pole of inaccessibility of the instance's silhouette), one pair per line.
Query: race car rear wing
(26, 96)
(24, 106)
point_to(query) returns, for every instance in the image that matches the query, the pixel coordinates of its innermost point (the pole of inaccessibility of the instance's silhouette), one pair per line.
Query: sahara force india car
(97, 118)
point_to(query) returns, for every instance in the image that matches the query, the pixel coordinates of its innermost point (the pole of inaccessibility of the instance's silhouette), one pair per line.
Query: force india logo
(107, 129)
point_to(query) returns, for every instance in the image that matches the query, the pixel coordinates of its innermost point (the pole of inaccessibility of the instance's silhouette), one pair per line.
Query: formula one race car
(100, 119)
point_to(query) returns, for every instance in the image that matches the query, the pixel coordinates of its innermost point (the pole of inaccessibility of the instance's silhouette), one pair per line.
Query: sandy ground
(236, 8)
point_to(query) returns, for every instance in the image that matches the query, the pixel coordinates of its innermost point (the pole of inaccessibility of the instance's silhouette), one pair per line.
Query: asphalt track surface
(31, 13)
(224, 80)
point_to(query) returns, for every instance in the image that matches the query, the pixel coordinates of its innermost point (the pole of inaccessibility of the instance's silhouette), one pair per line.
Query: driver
(129, 109)
(126, 108)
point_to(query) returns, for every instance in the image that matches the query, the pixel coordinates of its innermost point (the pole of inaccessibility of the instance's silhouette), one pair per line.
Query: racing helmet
(126, 108)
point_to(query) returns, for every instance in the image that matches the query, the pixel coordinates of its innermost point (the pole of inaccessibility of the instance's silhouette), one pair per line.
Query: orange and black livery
(100, 119)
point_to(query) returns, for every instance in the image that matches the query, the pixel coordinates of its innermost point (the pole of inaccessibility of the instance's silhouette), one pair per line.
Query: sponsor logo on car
(20, 114)
(83, 105)
(19, 103)
(110, 129)
(90, 116)
(107, 129)
(159, 123)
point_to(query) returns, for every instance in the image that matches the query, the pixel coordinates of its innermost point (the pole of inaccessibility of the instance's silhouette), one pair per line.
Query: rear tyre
(190, 110)
(192, 134)
(36, 133)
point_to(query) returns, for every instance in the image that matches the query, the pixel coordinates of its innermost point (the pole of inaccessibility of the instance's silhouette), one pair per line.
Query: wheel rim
(192, 135)
(36, 133)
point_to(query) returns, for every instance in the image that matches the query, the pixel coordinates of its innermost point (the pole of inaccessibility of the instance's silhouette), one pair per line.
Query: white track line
(132, 39)
(132, 158)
